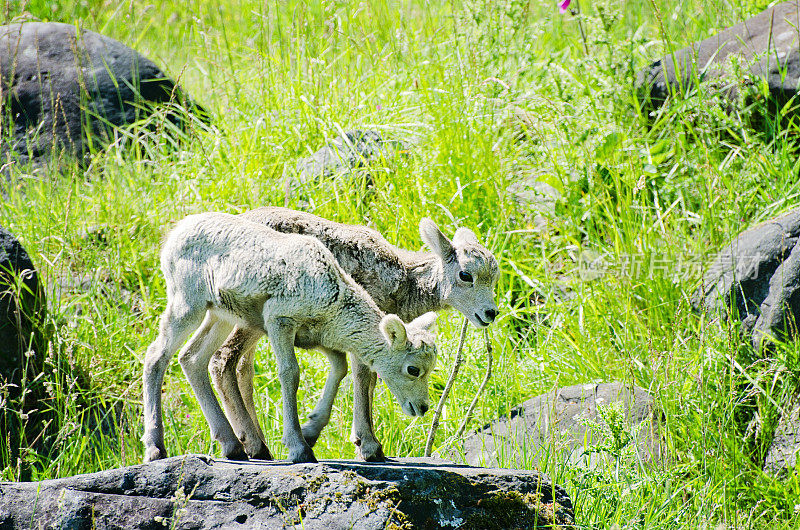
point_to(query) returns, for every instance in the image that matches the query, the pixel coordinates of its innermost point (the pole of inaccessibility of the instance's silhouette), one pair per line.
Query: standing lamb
(460, 273)
(223, 271)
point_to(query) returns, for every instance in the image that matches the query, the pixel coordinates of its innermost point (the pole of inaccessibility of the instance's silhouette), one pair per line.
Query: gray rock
(538, 200)
(197, 492)
(71, 291)
(22, 347)
(21, 307)
(352, 150)
(557, 420)
(766, 45)
(757, 277)
(65, 89)
(344, 156)
(785, 447)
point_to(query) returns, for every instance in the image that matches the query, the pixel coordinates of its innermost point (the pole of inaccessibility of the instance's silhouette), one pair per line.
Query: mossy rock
(199, 492)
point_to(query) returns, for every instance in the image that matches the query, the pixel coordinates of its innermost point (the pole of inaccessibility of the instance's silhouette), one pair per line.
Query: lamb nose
(491, 314)
(423, 409)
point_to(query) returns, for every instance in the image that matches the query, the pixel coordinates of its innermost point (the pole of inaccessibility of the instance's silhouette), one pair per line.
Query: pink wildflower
(563, 6)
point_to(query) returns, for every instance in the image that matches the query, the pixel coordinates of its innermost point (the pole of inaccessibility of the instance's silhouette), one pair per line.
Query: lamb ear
(464, 236)
(426, 322)
(435, 239)
(394, 330)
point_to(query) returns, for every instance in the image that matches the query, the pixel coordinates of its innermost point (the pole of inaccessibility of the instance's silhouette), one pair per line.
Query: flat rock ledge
(197, 491)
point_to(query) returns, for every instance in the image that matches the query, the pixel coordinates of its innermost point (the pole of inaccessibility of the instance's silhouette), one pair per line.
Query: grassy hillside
(488, 94)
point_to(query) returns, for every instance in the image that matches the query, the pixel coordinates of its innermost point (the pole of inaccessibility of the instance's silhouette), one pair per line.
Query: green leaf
(608, 146)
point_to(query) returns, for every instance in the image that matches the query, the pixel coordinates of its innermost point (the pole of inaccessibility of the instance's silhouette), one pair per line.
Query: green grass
(489, 93)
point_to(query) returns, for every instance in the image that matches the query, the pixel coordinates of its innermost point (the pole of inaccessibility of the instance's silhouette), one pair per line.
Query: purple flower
(563, 6)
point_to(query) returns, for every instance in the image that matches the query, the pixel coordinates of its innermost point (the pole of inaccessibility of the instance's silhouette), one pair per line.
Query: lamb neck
(422, 289)
(356, 329)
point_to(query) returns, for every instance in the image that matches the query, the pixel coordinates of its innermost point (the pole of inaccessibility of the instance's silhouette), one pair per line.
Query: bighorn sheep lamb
(460, 273)
(222, 270)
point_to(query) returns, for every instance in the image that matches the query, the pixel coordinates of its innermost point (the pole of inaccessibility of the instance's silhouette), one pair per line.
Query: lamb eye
(465, 276)
(413, 371)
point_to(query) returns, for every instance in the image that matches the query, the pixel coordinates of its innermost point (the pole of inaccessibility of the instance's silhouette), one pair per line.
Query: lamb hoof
(262, 454)
(374, 455)
(304, 456)
(256, 448)
(237, 454)
(152, 454)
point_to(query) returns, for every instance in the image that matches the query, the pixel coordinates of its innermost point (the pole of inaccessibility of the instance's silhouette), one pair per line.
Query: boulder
(21, 307)
(756, 278)
(22, 347)
(558, 420)
(766, 45)
(537, 201)
(70, 291)
(784, 450)
(65, 89)
(192, 492)
(352, 150)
